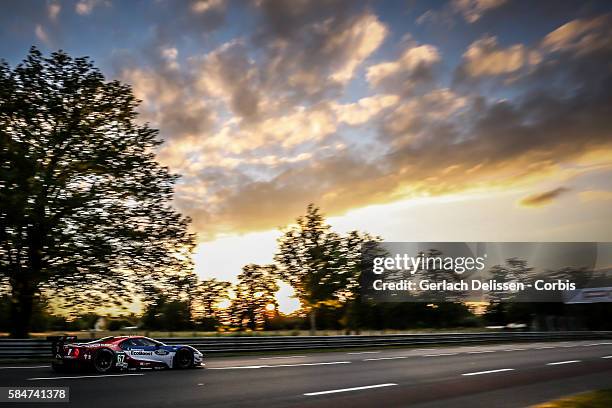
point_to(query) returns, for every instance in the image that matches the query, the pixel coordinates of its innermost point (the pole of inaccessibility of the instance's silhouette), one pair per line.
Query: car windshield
(143, 341)
(140, 342)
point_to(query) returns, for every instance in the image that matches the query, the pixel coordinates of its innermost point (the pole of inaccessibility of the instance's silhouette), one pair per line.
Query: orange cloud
(545, 198)
(485, 57)
(412, 66)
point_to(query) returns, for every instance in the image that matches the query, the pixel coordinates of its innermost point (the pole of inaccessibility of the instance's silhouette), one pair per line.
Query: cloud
(485, 57)
(443, 17)
(53, 10)
(413, 66)
(313, 49)
(366, 35)
(295, 127)
(168, 82)
(411, 119)
(581, 35)
(170, 102)
(204, 6)
(284, 67)
(86, 7)
(281, 198)
(231, 75)
(196, 17)
(364, 109)
(41, 34)
(473, 10)
(28, 22)
(470, 10)
(545, 198)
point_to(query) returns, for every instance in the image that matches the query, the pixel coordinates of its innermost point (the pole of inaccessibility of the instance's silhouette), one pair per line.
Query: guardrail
(34, 348)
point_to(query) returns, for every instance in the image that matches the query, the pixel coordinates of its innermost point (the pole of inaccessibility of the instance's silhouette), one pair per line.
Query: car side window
(127, 344)
(148, 342)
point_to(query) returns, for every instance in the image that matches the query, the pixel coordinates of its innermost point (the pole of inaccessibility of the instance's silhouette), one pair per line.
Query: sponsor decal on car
(141, 353)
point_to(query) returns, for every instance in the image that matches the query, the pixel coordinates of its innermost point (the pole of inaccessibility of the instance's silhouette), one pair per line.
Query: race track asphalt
(499, 375)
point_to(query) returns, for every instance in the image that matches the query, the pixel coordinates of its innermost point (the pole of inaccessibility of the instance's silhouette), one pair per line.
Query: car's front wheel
(183, 359)
(103, 361)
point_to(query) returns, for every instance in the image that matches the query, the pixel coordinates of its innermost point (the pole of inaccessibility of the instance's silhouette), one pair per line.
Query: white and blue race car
(122, 352)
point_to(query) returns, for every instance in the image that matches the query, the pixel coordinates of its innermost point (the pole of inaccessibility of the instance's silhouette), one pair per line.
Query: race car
(121, 353)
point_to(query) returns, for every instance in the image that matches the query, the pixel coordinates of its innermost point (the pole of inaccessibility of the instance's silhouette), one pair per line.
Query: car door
(147, 350)
(139, 350)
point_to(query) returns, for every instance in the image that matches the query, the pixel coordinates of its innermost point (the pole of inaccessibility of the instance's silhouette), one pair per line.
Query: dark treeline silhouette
(250, 304)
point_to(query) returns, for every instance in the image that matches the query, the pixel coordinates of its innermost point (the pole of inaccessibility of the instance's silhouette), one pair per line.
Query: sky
(461, 120)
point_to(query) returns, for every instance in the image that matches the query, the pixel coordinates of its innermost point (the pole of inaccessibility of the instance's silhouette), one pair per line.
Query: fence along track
(34, 348)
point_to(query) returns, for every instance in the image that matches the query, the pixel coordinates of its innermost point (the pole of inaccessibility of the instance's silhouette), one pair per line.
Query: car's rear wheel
(183, 359)
(103, 361)
(58, 367)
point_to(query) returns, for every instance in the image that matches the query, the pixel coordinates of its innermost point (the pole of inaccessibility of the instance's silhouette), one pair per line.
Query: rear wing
(57, 343)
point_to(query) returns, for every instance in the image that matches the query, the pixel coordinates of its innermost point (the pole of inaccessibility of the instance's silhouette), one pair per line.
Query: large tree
(85, 209)
(321, 265)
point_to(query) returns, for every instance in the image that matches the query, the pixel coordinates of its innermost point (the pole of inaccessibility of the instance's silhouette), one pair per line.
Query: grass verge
(592, 399)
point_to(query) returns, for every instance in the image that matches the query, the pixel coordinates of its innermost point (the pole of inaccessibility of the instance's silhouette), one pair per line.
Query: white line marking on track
(83, 376)
(279, 365)
(563, 362)
(544, 348)
(275, 358)
(310, 364)
(480, 352)
(489, 371)
(365, 387)
(23, 367)
(441, 354)
(515, 349)
(607, 357)
(385, 358)
(365, 352)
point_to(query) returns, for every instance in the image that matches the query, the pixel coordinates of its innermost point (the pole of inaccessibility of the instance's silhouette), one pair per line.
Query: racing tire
(103, 361)
(58, 368)
(183, 359)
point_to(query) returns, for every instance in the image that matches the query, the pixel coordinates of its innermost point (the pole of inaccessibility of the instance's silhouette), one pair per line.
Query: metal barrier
(33, 348)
